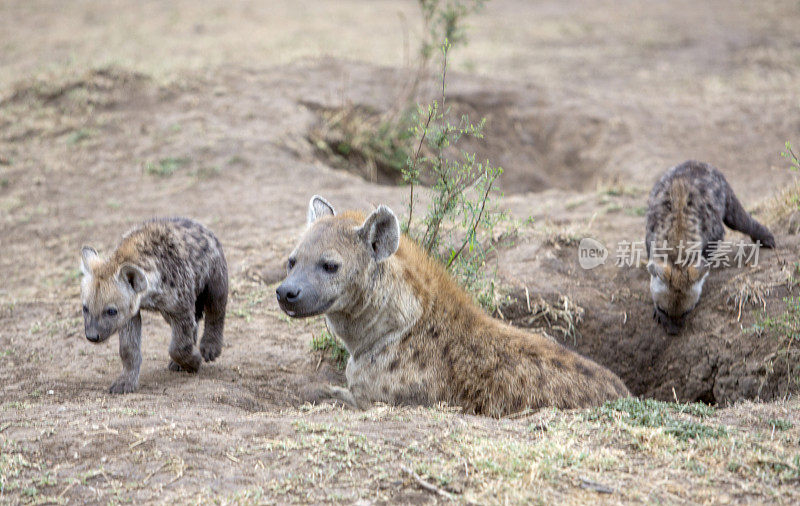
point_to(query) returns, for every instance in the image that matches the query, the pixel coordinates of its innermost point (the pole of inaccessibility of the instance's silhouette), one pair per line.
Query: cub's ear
(134, 277)
(88, 257)
(317, 208)
(380, 233)
(656, 269)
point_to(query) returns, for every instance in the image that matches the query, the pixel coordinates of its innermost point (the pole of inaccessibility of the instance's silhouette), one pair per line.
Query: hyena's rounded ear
(317, 208)
(88, 257)
(381, 233)
(134, 276)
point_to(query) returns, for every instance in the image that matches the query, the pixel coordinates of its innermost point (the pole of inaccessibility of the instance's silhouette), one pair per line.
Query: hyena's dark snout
(671, 326)
(672, 329)
(291, 298)
(288, 293)
(91, 331)
(299, 299)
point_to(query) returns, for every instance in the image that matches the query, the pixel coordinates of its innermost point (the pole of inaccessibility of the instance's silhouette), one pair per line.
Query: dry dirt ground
(113, 112)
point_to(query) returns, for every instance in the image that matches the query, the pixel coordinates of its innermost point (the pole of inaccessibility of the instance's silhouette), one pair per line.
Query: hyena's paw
(210, 351)
(191, 365)
(123, 385)
(316, 394)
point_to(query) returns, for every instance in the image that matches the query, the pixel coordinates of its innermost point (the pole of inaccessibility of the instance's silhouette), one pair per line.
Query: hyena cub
(173, 266)
(414, 335)
(686, 210)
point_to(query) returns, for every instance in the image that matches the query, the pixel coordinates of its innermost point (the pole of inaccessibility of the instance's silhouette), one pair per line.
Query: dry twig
(427, 486)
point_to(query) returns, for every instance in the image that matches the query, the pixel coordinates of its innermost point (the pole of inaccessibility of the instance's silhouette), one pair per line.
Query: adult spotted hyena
(414, 335)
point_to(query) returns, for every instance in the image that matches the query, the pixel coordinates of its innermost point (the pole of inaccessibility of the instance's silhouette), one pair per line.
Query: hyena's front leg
(130, 341)
(336, 393)
(182, 350)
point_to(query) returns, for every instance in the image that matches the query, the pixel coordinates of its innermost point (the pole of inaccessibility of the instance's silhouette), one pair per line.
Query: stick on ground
(424, 484)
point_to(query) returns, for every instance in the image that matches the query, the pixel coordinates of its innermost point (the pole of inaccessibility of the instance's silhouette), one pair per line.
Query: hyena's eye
(330, 267)
(85, 309)
(290, 263)
(111, 311)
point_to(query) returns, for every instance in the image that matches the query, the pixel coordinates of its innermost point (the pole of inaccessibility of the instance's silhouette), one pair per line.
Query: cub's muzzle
(672, 326)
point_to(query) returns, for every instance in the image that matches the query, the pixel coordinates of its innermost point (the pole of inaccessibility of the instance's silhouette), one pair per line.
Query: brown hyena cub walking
(414, 335)
(173, 266)
(686, 211)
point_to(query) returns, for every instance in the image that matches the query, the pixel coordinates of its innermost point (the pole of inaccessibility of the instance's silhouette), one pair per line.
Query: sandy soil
(585, 107)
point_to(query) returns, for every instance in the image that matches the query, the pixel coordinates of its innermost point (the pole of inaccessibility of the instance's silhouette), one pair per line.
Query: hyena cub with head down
(414, 335)
(686, 212)
(173, 266)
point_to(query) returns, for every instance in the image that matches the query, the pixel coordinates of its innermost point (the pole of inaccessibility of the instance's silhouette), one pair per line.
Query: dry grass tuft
(363, 141)
(566, 236)
(564, 317)
(744, 290)
(781, 213)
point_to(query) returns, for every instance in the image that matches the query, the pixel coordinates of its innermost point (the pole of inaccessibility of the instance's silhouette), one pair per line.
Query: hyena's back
(691, 202)
(187, 256)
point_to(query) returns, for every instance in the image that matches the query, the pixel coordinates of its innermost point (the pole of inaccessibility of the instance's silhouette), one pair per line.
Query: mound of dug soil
(729, 349)
(540, 145)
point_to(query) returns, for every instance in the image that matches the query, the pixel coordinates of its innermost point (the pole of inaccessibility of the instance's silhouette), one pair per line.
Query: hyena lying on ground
(688, 206)
(173, 266)
(414, 335)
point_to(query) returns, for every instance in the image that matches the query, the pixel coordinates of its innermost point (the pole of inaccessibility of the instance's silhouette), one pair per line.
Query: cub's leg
(215, 303)
(738, 219)
(182, 350)
(130, 340)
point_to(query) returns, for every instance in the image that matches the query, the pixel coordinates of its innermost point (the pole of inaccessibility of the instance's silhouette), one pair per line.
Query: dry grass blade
(137, 443)
(597, 487)
(519, 414)
(66, 489)
(153, 472)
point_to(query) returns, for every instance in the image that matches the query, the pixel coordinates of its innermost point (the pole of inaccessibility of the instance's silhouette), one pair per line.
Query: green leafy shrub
(458, 226)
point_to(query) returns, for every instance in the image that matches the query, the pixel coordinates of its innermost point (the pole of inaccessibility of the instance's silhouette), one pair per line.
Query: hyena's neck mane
(432, 285)
(384, 309)
(683, 227)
